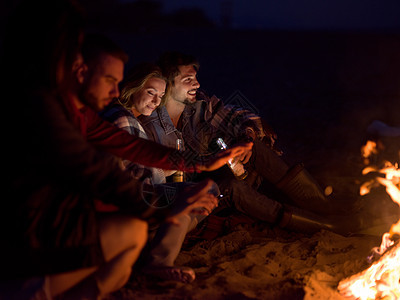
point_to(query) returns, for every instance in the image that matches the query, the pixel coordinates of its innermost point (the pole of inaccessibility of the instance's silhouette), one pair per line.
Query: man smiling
(183, 92)
(199, 120)
(186, 85)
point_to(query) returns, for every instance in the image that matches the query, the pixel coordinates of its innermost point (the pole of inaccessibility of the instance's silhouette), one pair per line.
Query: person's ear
(77, 62)
(81, 72)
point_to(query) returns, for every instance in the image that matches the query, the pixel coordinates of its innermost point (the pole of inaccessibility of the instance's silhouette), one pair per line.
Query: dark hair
(171, 60)
(136, 79)
(42, 38)
(96, 44)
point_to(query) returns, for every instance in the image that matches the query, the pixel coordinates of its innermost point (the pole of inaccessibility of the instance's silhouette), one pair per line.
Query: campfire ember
(381, 279)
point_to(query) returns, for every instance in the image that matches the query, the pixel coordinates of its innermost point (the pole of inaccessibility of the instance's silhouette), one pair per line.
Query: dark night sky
(284, 14)
(298, 14)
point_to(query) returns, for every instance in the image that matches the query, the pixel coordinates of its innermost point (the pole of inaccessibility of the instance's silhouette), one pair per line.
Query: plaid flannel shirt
(202, 123)
(124, 119)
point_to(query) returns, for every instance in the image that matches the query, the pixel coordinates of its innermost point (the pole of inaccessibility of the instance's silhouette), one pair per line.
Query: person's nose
(115, 91)
(196, 84)
(156, 100)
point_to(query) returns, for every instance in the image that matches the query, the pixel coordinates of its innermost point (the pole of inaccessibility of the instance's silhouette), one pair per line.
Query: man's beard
(188, 101)
(88, 99)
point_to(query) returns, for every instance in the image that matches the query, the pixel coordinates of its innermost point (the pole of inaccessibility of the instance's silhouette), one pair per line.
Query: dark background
(318, 71)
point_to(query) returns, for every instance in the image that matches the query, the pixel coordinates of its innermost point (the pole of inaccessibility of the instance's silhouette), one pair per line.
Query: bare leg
(122, 239)
(59, 283)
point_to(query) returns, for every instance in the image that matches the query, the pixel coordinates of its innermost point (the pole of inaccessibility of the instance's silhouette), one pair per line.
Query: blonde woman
(141, 93)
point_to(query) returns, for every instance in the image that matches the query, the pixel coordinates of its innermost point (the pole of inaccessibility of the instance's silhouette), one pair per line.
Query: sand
(262, 264)
(258, 261)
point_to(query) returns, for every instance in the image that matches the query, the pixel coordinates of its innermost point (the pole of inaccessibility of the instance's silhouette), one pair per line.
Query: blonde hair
(136, 80)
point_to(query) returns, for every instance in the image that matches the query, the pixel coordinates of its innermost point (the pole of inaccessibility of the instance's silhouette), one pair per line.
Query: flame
(382, 279)
(368, 149)
(379, 281)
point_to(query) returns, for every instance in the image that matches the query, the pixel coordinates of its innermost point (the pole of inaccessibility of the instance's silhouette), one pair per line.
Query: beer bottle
(234, 164)
(178, 176)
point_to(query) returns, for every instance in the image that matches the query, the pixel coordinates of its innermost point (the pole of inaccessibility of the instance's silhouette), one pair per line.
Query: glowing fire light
(382, 279)
(367, 150)
(379, 281)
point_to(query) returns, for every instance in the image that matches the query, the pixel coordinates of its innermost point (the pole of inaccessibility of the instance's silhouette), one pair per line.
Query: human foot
(181, 274)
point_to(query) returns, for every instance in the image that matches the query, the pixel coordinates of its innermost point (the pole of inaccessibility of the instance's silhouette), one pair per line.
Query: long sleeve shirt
(124, 119)
(120, 143)
(201, 123)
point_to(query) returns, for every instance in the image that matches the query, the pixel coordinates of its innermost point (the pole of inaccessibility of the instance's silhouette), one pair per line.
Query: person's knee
(120, 233)
(139, 230)
(236, 186)
(226, 184)
(133, 232)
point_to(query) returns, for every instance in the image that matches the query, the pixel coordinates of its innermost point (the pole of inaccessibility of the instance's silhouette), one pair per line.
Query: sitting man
(141, 94)
(199, 120)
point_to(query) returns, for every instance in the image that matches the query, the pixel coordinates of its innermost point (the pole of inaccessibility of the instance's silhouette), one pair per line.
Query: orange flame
(382, 279)
(367, 150)
(379, 281)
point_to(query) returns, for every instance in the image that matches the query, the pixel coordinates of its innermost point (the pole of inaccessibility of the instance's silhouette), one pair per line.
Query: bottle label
(237, 167)
(234, 164)
(177, 176)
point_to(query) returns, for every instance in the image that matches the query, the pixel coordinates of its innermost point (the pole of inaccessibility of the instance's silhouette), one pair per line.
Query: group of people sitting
(89, 170)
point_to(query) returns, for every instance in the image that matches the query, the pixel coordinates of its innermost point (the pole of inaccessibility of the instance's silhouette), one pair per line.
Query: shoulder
(121, 117)
(115, 111)
(204, 99)
(153, 118)
(208, 105)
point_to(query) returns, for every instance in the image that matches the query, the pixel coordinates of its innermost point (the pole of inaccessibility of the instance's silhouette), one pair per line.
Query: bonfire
(381, 280)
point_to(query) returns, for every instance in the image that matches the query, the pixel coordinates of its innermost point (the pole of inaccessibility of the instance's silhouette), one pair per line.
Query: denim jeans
(242, 195)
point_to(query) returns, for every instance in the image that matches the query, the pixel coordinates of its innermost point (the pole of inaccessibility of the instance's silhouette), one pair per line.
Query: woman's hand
(223, 157)
(197, 199)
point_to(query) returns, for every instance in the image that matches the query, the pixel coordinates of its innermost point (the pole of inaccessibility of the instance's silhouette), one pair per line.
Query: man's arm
(119, 142)
(238, 124)
(66, 157)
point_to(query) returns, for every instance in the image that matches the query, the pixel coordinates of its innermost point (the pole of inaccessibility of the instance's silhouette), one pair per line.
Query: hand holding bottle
(235, 163)
(198, 198)
(224, 156)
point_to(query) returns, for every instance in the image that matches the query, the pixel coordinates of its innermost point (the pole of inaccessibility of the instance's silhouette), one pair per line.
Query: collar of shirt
(165, 120)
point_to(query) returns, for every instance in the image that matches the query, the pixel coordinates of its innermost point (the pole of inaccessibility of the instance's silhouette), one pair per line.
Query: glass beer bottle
(178, 176)
(234, 164)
